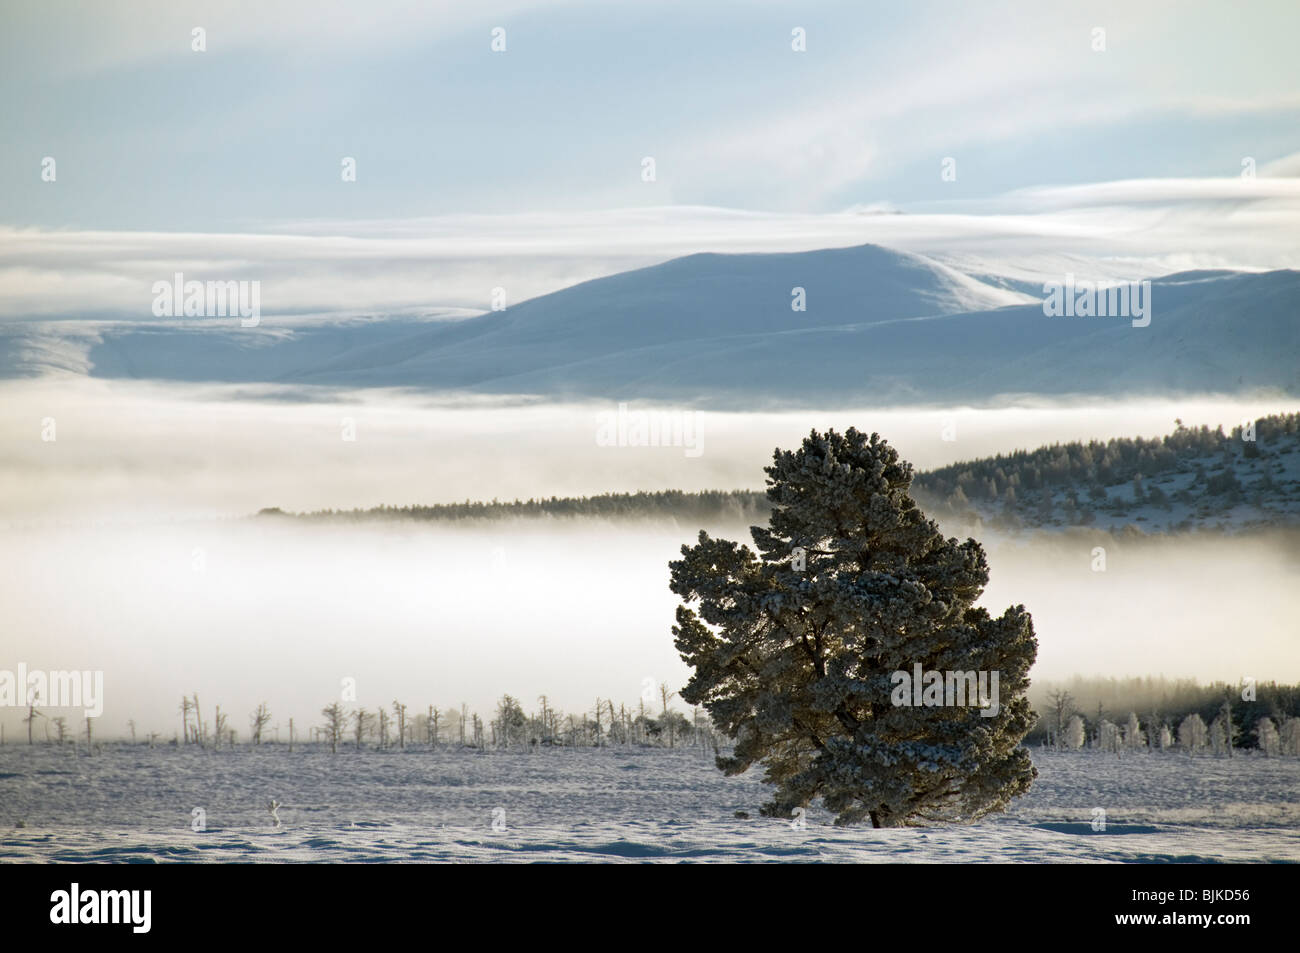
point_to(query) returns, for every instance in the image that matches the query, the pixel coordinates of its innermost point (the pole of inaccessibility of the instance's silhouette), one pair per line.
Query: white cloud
(1127, 228)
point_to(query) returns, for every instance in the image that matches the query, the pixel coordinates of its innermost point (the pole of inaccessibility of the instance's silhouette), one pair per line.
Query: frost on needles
(793, 646)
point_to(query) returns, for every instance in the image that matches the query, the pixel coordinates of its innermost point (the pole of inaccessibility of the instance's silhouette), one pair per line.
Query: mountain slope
(646, 319)
(880, 326)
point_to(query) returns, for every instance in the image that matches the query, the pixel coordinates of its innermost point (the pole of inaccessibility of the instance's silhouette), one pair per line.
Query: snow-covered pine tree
(1269, 742)
(793, 647)
(1133, 736)
(1289, 736)
(1074, 733)
(1218, 735)
(1192, 733)
(1108, 737)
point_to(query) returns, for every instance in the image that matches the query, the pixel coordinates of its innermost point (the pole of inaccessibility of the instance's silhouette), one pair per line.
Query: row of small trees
(59, 723)
(1067, 729)
(513, 727)
(1193, 736)
(509, 727)
(196, 730)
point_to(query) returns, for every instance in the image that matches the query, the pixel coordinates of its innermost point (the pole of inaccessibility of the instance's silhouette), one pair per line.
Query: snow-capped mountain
(837, 325)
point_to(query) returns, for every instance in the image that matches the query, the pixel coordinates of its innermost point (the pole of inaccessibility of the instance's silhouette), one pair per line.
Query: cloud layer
(1124, 229)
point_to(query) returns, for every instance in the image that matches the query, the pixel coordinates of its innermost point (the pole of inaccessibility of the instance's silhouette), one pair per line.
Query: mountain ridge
(879, 326)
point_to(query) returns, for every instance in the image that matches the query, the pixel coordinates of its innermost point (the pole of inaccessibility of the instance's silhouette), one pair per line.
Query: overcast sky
(149, 134)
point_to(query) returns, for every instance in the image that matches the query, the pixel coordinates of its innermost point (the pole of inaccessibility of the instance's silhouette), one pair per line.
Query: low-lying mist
(125, 550)
(126, 450)
(278, 611)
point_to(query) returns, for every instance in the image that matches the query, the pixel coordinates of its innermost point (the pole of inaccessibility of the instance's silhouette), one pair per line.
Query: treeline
(1093, 465)
(1020, 488)
(513, 727)
(704, 506)
(1116, 714)
(1107, 714)
(652, 722)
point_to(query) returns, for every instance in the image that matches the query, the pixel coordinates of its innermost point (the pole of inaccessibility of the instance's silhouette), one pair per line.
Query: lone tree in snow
(794, 647)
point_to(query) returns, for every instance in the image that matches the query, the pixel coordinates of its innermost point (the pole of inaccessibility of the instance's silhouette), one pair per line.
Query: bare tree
(667, 696)
(1061, 706)
(335, 719)
(218, 729)
(361, 725)
(399, 711)
(185, 720)
(290, 736)
(61, 729)
(258, 721)
(200, 729)
(546, 714)
(131, 724)
(32, 715)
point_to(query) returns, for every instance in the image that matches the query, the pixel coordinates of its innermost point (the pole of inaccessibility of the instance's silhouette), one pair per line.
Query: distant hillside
(876, 326)
(705, 507)
(1191, 479)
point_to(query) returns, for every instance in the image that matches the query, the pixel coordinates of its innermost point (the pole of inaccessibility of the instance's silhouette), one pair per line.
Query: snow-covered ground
(132, 803)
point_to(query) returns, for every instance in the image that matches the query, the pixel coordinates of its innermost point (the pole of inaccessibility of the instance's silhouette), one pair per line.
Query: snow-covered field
(132, 803)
